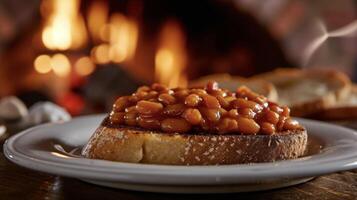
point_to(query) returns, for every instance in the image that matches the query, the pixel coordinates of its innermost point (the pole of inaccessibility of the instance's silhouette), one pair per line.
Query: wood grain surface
(20, 183)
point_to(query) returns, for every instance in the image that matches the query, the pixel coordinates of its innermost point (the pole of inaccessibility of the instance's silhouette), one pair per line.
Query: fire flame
(171, 58)
(116, 37)
(123, 38)
(97, 18)
(42, 64)
(120, 32)
(58, 63)
(64, 27)
(84, 66)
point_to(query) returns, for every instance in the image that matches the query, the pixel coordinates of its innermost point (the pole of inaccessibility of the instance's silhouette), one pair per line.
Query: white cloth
(44, 112)
(12, 108)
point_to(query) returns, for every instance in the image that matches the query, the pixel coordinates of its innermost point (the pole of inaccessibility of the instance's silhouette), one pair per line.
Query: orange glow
(123, 37)
(171, 58)
(60, 65)
(97, 18)
(42, 64)
(120, 35)
(64, 27)
(117, 53)
(104, 32)
(84, 66)
(100, 54)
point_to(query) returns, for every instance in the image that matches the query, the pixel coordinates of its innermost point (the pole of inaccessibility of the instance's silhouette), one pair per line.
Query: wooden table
(20, 183)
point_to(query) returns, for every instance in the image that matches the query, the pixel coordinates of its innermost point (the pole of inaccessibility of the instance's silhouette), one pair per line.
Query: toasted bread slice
(233, 82)
(308, 91)
(345, 109)
(128, 144)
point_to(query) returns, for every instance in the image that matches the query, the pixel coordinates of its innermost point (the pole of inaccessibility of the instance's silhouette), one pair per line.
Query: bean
(181, 94)
(233, 113)
(286, 111)
(229, 98)
(193, 116)
(247, 112)
(223, 102)
(291, 124)
(247, 126)
(117, 117)
(242, 103)
(142, 95)
(174, 109)
(218, 93)
(130, 109)
(148, 108)
(211, 101)
(280, 124)
(276, 109)
(212, 86)
(192, 100)
(133, 99)
(153, 94)
(227, 125)
(244, 91)
(155, 100)
(267, 128)
(143, 88)
(199, 92)
(260, 99)
(175, 125)
(272, 117)
(166, 99)
(212, 114)
(130, 119)
(120, 104)
(149, 123)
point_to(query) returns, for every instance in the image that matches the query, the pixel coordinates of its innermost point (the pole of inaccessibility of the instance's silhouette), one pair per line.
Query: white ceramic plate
(53, 148)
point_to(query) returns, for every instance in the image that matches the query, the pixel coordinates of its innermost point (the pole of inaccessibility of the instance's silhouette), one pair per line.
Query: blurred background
(83, 54)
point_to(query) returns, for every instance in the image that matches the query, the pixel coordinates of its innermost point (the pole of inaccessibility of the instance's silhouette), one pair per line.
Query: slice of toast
(308, 91)
(233, 82)
(346, 109)
(130, 144)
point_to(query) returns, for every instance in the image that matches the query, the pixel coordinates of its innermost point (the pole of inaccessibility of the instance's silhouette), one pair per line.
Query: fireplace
(83, 54)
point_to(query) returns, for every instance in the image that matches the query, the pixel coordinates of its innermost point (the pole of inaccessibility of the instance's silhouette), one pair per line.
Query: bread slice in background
(233, 82)
(308, 91)
(345, 109)
(133, 145)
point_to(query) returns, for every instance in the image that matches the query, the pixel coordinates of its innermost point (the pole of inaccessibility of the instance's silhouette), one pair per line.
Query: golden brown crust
(345, 109)
(139, 146)
(337, 85)
(233, 82)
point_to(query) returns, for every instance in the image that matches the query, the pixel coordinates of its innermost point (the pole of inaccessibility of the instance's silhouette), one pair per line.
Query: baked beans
(208, 109)
(193, 116)
(148, 107)
(192, 100)
(166, 99)
(227, 125)
(175, 125)
(267, 128)
(247, 126)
